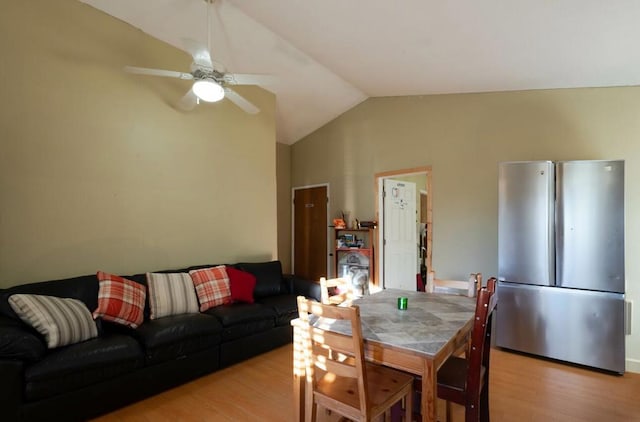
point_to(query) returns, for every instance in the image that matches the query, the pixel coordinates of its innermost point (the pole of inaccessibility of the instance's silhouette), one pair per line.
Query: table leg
(298, 374)
(429, 393)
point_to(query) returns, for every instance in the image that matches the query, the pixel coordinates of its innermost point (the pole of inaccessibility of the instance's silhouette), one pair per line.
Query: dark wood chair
(466, 381)
(337, 376)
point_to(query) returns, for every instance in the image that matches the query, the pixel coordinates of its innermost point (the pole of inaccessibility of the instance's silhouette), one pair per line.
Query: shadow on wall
(119, 255)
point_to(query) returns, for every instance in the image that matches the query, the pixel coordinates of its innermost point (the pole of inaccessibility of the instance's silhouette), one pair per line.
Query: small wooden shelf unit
(354, 253)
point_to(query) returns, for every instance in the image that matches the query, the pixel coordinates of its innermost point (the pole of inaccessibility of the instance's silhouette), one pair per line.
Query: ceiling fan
(211, 81)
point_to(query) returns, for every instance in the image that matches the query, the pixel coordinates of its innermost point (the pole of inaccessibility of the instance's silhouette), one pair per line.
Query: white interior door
(400, 241)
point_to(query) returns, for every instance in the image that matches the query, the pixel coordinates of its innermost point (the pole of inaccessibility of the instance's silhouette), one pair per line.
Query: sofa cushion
(17, 341)
(268, 275)
(73, 367)
(120, 300)
(242, 285)
(60, 321)
(177, 336)
(212, 286)
(240, 313)
(285, 306)
(243, 319)
(246, 329)
(171, 294)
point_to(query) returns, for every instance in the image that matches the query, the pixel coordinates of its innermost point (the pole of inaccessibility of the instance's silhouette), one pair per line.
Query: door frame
(378, 186)
(293, 225)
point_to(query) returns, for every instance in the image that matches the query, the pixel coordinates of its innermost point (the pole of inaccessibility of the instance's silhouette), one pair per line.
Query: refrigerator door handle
(558, 226)
(628, 306)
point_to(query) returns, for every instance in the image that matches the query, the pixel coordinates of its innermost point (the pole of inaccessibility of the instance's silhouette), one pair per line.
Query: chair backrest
(334, 291)
(491, 284)
(327, 351)
(481, 339)
(467, 287)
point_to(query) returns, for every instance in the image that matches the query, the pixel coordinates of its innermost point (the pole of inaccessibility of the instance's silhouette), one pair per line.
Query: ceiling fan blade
(248, 79)
(188, 101)
(158, 72)
(240, 101)
(199, 52)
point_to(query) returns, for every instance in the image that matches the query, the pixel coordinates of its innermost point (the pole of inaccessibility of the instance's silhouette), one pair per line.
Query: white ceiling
(329, 55)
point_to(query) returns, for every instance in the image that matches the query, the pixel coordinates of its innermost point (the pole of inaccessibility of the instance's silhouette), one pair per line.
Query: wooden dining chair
(466, 381)
(467, 287)
(335, 291)
(337, 376)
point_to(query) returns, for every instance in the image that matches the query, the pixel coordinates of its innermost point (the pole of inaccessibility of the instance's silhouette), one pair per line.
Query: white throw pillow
(61, 321)
(171, 294)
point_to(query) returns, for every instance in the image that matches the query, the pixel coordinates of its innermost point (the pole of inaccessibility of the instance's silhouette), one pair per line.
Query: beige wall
(283, 166)
(99, 171)
(464, 137)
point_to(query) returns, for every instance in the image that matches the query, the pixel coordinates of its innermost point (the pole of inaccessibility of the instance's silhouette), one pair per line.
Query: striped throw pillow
(171, 294)
(212, 286)
(60, 321)
(120, 300)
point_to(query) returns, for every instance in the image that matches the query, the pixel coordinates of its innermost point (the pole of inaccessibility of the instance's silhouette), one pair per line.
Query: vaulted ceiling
(329, 55)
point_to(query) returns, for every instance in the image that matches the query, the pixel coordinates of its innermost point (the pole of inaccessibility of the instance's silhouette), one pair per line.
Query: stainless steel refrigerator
(561, 261)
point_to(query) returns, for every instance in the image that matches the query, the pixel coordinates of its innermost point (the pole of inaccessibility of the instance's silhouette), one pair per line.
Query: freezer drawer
(579, 326)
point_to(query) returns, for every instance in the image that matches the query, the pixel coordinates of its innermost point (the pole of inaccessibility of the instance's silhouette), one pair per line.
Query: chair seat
(381, 381)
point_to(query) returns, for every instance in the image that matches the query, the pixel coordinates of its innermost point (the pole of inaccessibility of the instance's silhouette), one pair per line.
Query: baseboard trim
(632, 365)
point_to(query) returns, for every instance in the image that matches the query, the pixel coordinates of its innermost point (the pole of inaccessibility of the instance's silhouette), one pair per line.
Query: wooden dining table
(417, 340)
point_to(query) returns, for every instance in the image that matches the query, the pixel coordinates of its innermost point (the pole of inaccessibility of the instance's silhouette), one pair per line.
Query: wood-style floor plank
(522, 389)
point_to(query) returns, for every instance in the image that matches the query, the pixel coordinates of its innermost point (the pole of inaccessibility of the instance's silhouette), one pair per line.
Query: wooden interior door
(310, 232)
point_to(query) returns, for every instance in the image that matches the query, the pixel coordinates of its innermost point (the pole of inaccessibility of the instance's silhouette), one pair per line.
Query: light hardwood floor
(522, 389)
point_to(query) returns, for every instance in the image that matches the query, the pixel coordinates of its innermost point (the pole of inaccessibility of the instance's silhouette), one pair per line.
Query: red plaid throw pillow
(120, 300)
(212, 286)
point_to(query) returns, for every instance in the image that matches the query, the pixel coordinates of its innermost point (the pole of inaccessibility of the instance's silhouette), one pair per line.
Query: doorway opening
(395, 257)
(310, 231)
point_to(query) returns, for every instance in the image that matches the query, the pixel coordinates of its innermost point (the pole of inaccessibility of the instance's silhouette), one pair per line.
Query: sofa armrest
(19, 342)
(300, 286)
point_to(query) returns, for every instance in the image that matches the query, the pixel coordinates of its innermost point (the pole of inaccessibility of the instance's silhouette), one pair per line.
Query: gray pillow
(171, 294)
(61, 321)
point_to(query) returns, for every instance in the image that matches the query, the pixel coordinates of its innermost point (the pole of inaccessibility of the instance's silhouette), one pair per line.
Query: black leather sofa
(123, 365)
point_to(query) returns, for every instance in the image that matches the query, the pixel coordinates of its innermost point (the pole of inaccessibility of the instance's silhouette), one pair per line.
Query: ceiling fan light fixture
(208, 90)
